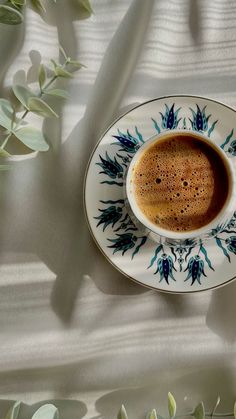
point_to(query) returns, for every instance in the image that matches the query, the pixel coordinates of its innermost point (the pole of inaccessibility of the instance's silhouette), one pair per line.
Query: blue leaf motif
(128, 143)
(110, 215)
(153, 260)
(211, 129)
(126, 241)
(140, 137)
(200, 121)
(110, 167)
(188, 253)
(123, 242)
(158, 129)
(204, 252)
(165, 268)
(143, 241)
(195, 269)
(232, 148)
(227, 140)
(231, 244)
(219, 243)
(169, 118)
(126, 224)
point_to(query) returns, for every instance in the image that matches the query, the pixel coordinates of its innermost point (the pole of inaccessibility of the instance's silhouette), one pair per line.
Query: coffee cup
(181, 188)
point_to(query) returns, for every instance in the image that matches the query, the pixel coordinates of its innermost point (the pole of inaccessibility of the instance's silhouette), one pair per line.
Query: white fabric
(71, 327)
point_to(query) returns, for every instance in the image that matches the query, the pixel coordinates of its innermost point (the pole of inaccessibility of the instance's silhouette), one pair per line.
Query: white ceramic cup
(190, 237)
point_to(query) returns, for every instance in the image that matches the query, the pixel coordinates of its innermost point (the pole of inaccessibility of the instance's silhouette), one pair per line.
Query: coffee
(180, 182)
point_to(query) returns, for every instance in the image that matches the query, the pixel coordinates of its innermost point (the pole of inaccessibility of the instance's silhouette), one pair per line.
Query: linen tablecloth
(71, 327)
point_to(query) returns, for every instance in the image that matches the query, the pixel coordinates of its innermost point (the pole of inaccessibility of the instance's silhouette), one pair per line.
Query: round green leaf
(13, 412)
(76, 64)
(18, 2)
(48, 411)
(42, 75)
(57, 92)
(38, 5)
(41, 108)
(32, 138)
(23, 94)
(152, 414)
(216, 405)
(199, 411)
(54, 63)
(122, 414)
(86, 5)
(6, 114)
(4, 153)
(60, 72)
(9, 15)
(171, 405)
(63, 52)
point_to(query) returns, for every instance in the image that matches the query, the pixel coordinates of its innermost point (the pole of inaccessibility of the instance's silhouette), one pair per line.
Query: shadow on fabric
(44, 214)
(188, 389)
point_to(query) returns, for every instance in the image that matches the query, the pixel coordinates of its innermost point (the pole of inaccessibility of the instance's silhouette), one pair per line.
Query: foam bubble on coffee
(181, 183)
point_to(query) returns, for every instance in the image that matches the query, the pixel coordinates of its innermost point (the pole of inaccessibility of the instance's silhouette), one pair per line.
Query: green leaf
(18, 2)
(171, 405)
(216, 405)
(23, 94)
(42, 75)
(57, 92)
(4, 153)
(86, 5)
(32, 138)
(76, 64)
(122, 414)
(63, 52)
(199, 411)
(13, 412)
(152, 414)
(6, 114)
(60, 72)
(235, 410)
(10, 15)
(48, 411)
(41, 108)
(54, 63)
(38, 5)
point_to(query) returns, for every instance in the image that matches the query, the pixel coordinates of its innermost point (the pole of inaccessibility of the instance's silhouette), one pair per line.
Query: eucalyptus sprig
(12, 11)
(198, 412)
(49, 411)
(34, 101)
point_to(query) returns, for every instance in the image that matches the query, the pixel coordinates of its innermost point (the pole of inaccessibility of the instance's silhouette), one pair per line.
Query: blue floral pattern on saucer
(175, 269)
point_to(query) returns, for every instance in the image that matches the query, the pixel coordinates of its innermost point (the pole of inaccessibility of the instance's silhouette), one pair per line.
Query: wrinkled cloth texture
(71, 326)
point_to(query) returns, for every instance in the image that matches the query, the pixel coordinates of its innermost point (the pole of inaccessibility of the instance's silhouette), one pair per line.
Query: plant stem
(47, 85)
(228, 414)
(5, 141)
(41, 93)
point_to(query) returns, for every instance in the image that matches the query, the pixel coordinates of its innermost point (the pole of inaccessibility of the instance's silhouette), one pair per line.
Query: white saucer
(176, 270)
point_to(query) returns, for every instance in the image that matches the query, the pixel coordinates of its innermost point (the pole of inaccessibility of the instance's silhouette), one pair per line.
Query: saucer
(161, 267)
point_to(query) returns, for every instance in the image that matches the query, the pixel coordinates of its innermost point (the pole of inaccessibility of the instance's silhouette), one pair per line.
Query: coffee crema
(180, 182)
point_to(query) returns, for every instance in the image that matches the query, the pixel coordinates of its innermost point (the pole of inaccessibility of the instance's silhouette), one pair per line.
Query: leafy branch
(34, 102)
(49, 411)
(198, 412)
(12, 11)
